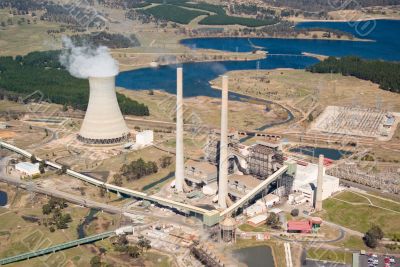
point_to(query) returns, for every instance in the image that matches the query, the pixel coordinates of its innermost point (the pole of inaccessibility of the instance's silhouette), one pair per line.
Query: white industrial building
(144, 138)
(305, 184)
(27, 168)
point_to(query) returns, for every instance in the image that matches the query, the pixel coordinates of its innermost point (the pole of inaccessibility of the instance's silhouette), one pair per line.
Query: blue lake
(385, 45)
(329, 153)
(3, 198)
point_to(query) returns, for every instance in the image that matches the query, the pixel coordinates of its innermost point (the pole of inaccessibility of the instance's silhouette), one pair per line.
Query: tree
(144, 243)
(165, 161)
(117, 179)
(373, 236)
(273, 220)
(63, 170)
(370, 241)
(102, 191)
(376, 232)
(41, 167)
(121, 243)
(33, 159)
(46, 209)
(294, 212)
(95, 261)
(134, 251)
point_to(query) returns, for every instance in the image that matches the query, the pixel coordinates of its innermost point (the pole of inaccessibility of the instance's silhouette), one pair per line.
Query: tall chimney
(179, 168)
(320, 183)
(223, 150)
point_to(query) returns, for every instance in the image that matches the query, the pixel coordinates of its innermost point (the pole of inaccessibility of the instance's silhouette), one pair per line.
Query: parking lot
(378, 261)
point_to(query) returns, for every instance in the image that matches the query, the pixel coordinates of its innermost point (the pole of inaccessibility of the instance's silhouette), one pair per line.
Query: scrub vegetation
(39, 75)
(384, 73)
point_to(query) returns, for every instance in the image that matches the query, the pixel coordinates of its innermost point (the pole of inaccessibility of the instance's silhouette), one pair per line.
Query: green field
(173, 13)
(329, 255)
(182, 11)
(359, 215)
(230, 20)
(205, 6)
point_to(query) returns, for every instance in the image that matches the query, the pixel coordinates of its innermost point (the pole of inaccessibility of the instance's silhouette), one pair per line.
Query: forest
(386, 74)
(41, 72)
(111, 40)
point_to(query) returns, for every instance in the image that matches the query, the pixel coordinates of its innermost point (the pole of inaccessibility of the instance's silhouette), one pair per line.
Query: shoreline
(277, 37)
(343, 20)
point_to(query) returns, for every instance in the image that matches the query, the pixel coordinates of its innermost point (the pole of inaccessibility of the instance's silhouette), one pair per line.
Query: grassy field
(249, 228)
(351, 242)
(358, 215)
(21, 39)
(329, 255)
(294, 85)
(231, 20)
(173, 13)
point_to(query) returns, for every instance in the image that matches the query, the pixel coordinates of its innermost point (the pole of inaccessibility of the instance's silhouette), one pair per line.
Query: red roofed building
(299, 227)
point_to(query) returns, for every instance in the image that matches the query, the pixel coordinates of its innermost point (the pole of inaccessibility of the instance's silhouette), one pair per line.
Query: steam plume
(85, 61)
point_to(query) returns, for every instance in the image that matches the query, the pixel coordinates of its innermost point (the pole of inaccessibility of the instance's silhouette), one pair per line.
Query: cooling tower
(103, 123)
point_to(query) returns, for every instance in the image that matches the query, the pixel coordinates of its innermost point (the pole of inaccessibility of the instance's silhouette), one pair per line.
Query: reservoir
(3, 198)
(330, 153)
(383, 42)
(260, 256)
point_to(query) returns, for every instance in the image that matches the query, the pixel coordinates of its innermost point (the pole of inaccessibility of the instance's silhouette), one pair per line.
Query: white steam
(85, 61)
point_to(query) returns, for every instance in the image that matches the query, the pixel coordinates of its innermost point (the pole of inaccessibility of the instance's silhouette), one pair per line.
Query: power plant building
(103, 123)
(305, 185)
(200, 173)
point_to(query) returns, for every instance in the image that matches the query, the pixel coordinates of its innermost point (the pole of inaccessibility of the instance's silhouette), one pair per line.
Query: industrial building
(27, 168)
(103, 122)
(264, 159)
(144, 138)
(304, 227)
(240, 185)
(199, 173)
(305, 184)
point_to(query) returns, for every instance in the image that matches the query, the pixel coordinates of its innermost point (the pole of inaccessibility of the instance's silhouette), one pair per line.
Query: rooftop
(299, 225)
(247, 180)
(200, 166)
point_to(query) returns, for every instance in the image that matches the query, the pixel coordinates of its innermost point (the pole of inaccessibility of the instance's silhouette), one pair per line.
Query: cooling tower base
(90, 141)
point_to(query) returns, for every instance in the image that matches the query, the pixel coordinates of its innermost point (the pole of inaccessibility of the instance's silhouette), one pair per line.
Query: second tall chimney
(320, 184)
(179, 168)
(223, 151)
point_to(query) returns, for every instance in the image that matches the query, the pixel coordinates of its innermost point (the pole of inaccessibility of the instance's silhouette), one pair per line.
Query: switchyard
(356, 121)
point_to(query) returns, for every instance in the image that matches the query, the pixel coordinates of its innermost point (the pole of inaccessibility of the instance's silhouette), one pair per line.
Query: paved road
(311, 263)
(37, 188)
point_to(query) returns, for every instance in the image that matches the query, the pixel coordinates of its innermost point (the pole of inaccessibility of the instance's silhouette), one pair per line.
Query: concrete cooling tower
(103, 123)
